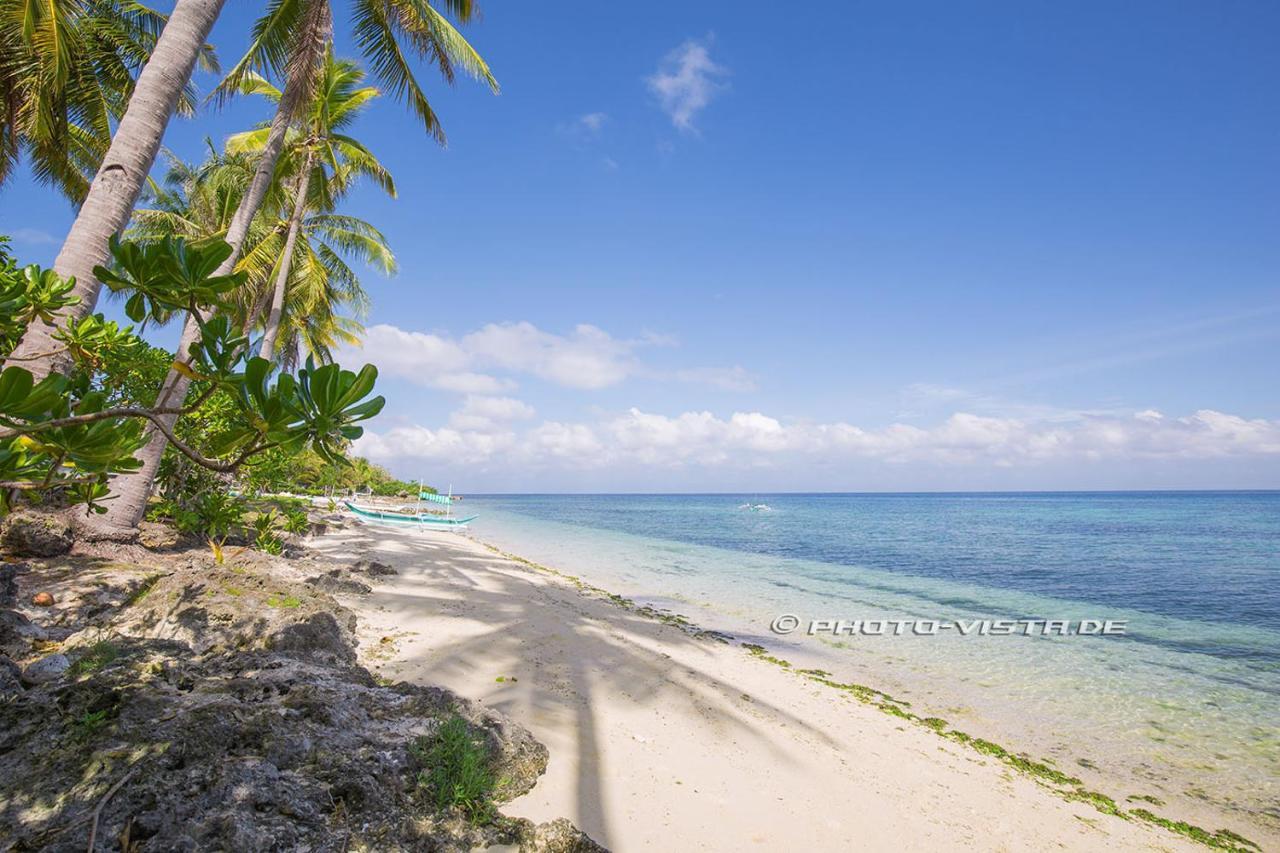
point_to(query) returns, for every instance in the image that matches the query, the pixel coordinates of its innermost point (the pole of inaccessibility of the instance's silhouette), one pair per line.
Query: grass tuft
(94, 658)
(455, 771)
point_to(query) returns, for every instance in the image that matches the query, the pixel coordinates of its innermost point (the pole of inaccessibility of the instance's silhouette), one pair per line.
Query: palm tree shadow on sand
(617, 652)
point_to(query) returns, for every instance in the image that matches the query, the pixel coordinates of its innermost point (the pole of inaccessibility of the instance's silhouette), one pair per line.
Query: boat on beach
(397, 516)
(414, 514)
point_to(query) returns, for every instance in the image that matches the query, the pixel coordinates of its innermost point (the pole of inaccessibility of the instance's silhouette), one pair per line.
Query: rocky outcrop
(199, 706)
(46, 669)
(160, 537)
(28, 533)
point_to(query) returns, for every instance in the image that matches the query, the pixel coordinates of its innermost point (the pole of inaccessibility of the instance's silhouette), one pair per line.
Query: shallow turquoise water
(1187, 703)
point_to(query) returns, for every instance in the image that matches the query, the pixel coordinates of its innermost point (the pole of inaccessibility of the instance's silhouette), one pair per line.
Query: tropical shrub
(69, 434)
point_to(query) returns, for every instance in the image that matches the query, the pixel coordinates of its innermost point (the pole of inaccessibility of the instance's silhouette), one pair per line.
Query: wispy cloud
(687, 80)
(586, 358)
(31, 236)
(584, 128)
(592, 122)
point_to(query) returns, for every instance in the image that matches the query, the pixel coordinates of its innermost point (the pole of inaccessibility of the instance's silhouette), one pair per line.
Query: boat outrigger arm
(422, 519)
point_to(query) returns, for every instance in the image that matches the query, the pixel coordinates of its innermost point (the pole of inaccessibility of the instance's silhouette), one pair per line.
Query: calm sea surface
(1185, 706)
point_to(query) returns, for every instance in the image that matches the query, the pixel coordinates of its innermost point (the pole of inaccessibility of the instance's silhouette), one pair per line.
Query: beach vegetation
(1146, 798)
(94, 657)
(142, 590)
(1222, 839)
(88, 724)
(455, 771)
(68, 73)
(761, 652)
(296, 521)
(62, 435)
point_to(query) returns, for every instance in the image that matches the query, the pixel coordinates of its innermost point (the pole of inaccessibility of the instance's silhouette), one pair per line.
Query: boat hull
(409, 520)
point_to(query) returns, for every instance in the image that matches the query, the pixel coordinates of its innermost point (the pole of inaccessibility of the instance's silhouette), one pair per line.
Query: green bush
(296, 521)
(66, 435)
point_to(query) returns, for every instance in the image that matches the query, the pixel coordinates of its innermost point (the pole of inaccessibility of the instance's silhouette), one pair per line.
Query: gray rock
(10, 678)
(373, 568)
(558, 836)
(334, 582)
(274, 739)
(320, 637)
(158, 537)
(47, 669)
(17, 632)
(8, 583)
(35, 534)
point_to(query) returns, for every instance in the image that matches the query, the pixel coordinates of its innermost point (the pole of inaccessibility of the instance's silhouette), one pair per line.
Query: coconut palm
(122, 174)
(197, 201)
(306, 256)
(325, 299)
(328, 161)
(67, 70)
(288, 41)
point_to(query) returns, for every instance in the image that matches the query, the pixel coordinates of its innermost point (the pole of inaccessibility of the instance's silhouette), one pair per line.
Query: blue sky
(717, 246)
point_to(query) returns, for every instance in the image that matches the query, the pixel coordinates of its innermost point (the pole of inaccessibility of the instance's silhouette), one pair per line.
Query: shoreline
(804, 735)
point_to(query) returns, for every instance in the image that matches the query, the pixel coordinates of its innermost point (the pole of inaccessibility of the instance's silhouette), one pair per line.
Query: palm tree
(325, 299)
(198, 202)
(67, 70)
(327, 162)
(120, 178)
(289, 41)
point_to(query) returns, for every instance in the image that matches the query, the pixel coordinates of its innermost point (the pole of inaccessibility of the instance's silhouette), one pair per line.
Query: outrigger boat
(414, 515)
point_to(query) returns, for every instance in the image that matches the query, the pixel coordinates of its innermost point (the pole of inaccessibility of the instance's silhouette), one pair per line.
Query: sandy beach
(659, 737)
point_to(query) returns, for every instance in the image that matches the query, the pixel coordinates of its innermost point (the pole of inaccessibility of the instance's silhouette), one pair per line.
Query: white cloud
(753, 439)
(589, 358)
(686, 82)
(483, 413)
(426, 359)
(414, 443)
(565, 441)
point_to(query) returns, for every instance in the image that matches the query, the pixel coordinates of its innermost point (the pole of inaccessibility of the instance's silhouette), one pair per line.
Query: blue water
(1187, 702)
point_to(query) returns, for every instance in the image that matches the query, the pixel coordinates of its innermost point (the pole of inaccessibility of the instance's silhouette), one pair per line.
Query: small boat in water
(757, 507)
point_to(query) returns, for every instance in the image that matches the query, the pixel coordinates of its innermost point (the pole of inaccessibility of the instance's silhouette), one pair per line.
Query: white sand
(660, 741)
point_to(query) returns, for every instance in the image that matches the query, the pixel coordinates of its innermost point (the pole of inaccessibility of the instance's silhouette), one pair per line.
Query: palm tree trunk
(131, 492)
(109, 204)
(251, 201)
(272, 330)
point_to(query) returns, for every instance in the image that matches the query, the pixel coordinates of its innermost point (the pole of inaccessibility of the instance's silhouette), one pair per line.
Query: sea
(1179, 699)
